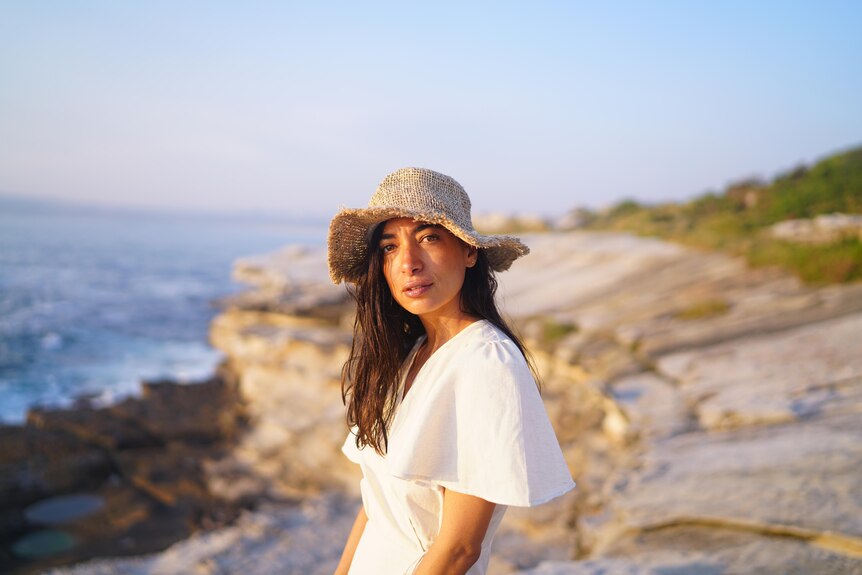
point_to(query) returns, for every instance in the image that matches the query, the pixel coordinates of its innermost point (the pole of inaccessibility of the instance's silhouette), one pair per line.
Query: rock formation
(709, 413)
(137, 465)
(821, 229)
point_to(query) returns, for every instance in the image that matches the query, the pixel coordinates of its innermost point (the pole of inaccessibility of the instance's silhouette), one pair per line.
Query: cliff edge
(708, 411)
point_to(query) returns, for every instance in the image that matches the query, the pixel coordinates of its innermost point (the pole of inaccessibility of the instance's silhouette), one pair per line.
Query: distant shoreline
(46, 205)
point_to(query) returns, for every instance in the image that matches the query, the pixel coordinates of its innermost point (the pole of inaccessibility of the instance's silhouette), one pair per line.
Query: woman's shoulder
(487, 342)
(488, 355)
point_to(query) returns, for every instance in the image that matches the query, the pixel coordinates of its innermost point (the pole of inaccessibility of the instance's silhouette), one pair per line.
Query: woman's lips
(416, 290)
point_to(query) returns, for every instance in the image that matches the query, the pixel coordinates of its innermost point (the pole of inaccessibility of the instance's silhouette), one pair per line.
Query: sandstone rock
(596, 355)
(767, 365)
(290, 381)
(293, 280)
(654, 407)
(251, 337)
(529, 535)
(293, 265)
(326, 303)
(704, 551)
(779, 459)
(564, 271)
(802, 475)
(643, 292)
(764, 309)
(663, 379)
(821, 229)
(498, 223)
(776, 378)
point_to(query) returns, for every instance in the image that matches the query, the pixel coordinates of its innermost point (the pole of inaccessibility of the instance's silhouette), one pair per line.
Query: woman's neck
(437, 334)
(441, 330)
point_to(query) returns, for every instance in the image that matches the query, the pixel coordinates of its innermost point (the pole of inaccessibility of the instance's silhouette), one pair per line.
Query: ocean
(92, 301)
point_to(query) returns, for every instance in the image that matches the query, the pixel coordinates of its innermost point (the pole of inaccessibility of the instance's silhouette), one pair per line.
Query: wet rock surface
(708, 412)
(302, 538)
(121, 480)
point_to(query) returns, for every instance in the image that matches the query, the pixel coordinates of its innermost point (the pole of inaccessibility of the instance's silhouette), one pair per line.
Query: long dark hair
(383, 335)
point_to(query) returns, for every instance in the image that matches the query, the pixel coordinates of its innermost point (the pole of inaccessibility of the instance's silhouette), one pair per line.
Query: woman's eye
(387, 248)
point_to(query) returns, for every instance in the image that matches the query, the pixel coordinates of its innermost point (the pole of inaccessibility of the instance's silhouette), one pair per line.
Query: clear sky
(299, 107)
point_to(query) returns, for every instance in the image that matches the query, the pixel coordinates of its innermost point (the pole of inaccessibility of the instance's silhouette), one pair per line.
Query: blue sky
(298, 108)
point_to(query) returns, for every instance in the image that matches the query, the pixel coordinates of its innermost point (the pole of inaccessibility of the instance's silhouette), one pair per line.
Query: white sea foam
(93, 304)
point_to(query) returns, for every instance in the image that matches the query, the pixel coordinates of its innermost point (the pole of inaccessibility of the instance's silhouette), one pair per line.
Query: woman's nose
(411, 258)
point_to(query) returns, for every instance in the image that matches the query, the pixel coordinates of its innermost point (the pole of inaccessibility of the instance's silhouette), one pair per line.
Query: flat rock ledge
(710, 414)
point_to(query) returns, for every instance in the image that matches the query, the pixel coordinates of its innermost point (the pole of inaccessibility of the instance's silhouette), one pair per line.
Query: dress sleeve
(482, 429)
(349, 448)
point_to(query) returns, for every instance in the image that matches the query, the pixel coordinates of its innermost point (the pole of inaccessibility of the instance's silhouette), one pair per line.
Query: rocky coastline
(126, 479)
(709, 413)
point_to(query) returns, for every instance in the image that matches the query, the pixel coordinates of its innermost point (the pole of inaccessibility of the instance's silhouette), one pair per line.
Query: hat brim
(348, 233)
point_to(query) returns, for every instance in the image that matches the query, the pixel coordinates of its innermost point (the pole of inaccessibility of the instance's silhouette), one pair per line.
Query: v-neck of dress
(408, 365)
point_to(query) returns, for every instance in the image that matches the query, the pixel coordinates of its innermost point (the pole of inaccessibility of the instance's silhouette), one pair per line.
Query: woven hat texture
(423, 195)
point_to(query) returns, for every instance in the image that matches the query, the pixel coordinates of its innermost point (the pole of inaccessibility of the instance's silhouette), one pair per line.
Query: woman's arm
(352, 542)
(459, 543)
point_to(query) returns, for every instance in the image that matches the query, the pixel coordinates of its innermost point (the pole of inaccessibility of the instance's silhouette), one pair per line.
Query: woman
(446, 419)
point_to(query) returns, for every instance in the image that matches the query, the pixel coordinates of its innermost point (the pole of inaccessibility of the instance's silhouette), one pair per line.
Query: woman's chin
(418, 308)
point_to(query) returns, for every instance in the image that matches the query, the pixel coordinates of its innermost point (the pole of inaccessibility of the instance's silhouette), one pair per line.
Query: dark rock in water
(141, 464)
(129, 523)
(172, 476)
(210, 411)
(36, 463)
(102, 427)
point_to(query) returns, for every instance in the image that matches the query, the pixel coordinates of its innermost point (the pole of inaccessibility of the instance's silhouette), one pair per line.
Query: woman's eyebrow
(424, 226)
(416, 230)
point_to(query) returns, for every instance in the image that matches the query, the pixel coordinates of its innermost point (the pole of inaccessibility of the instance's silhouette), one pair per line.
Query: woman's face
(424, 265)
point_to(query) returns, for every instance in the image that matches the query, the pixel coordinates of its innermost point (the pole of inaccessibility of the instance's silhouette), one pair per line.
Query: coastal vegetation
(740, 219)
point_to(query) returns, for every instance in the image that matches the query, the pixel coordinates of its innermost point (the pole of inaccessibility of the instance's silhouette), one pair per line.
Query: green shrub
(737, 220)
(835, 262)
(553, 331)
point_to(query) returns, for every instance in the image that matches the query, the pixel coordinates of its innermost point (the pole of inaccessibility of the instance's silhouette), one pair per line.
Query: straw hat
(420, 194)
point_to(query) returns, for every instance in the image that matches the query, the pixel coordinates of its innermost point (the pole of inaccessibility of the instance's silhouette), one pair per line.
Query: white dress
(472, 422)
